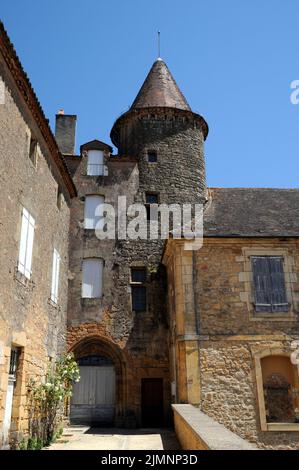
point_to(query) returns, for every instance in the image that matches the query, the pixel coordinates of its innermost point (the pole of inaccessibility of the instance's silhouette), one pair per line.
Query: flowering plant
(46, 400)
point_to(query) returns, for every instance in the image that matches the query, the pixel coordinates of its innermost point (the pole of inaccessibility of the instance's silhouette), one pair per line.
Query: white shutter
(92, 204)
(92, 278)
(55, 276)
(23, 241)
(95, 163)
(26, 244)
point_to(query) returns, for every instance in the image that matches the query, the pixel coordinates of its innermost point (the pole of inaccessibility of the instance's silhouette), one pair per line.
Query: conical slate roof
(160, 90)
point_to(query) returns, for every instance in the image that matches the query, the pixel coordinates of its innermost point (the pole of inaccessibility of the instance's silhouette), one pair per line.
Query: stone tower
(125, 329)
(161, 121)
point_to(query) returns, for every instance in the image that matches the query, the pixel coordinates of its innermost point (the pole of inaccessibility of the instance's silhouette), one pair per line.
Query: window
(26, 243)
(152, 156)
(92, 278)
(150, 198)
(278, 391)
(95, 162)
(14, 361)
(138, 289)
(33, 151)
(93, 213)
(55, 276)
(59, 197)
(269, 284)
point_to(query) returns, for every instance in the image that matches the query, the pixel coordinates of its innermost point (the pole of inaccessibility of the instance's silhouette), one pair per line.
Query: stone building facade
(228, 358)
(160, 155)
(37, 188)
(150, 323)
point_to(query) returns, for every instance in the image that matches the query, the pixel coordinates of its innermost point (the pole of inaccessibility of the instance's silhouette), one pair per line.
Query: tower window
(138, 289)
(150, 198)
(152, 156)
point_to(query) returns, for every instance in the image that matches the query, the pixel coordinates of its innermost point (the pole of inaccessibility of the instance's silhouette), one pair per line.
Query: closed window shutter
(55, 276)
(26, 243)
(92, 274)
(278, 293)
(95, 162)
(261, 281)
(23, 241)
(92, 211)
(269, 284)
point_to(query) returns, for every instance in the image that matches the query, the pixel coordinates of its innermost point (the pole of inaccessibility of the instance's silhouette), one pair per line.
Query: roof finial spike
(159, 46)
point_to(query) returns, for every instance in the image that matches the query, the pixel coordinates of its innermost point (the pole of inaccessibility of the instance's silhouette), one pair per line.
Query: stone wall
(138, 338)
(28, 319)
(211, 305)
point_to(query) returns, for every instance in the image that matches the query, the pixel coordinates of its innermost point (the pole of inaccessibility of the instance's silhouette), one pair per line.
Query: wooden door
(93, 400)
(152, 402)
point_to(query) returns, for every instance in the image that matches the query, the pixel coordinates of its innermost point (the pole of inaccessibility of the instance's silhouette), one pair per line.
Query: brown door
(152, 402)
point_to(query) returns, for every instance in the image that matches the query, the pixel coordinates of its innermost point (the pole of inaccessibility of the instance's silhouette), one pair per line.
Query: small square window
(152, 156)
(138, 275)
(151, 198)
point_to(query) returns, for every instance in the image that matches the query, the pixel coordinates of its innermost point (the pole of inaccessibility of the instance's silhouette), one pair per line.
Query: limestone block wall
(138, 338)
(211, 304)
(27, 317)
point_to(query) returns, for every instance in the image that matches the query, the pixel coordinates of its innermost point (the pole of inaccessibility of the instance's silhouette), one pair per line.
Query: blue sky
(234, 61)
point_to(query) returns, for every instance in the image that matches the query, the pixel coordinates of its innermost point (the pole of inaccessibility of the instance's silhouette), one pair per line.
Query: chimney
(65, 132)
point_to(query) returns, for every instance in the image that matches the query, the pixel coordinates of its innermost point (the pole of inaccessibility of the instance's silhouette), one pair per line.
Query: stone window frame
(140, 267)
(153, 152)
(260, 391)
(91, 301)
(247, 277)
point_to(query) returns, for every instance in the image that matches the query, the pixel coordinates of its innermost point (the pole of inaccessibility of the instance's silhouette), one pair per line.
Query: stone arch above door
(97, 346)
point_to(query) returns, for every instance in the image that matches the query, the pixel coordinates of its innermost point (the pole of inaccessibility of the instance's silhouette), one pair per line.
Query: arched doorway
(98, 397)
(93, 400)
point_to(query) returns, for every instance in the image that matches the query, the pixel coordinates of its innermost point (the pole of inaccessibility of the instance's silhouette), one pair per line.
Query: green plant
(22, 444)
(46, 401)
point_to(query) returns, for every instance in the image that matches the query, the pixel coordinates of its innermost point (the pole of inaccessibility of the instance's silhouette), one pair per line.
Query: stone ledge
(205, 433)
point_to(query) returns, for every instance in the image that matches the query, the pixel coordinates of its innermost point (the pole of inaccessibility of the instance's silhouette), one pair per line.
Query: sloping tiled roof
(252, 212)
(160, 89)
(25, 88)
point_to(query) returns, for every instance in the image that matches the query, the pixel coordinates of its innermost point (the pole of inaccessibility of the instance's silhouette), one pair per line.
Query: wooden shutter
(95, 164)
(261, 281)
(278, 292)
(269, 284)
(26, 243)
(92, 281)
(92, 211)
(55, 276)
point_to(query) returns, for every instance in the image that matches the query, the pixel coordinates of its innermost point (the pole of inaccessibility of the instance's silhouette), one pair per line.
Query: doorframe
(97, 345)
